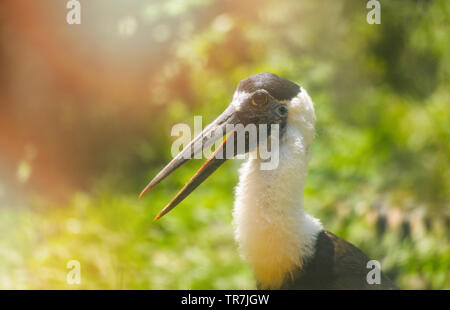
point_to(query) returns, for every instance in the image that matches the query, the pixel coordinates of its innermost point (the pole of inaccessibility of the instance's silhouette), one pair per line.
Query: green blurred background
(86, 112)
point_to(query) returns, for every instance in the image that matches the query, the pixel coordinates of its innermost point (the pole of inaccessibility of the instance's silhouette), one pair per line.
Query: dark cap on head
(277, 87)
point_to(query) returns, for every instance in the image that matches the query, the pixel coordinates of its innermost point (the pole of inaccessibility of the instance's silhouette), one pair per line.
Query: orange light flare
(47, 62)
(83, 57)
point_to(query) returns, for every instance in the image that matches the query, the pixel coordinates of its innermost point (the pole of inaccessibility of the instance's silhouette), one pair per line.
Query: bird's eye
(259, 98)
(282, 110)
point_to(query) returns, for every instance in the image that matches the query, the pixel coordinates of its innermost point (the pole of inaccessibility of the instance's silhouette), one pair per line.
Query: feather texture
(273, 231)
(286, 247)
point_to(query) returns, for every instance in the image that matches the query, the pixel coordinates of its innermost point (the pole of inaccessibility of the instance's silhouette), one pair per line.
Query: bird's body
(285, 246)
(335, 265)
(274, 233)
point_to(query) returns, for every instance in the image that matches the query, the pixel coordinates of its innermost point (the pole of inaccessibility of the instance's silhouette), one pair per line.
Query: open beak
(217, 129)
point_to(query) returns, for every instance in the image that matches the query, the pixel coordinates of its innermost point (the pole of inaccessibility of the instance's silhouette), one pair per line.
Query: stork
(285, 247)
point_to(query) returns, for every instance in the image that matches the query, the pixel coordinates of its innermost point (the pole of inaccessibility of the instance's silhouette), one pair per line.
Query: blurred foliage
(379, 174)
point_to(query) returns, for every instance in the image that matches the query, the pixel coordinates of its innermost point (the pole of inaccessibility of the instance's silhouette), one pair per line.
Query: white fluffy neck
(274, 232)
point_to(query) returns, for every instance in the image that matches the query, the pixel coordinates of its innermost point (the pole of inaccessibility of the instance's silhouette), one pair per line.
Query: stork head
(263, 98)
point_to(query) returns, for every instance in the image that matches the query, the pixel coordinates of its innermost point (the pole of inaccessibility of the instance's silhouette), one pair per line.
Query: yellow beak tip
(157, 218)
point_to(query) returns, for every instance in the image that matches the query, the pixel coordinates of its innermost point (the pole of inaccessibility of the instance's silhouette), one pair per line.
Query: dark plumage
(337, 264)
